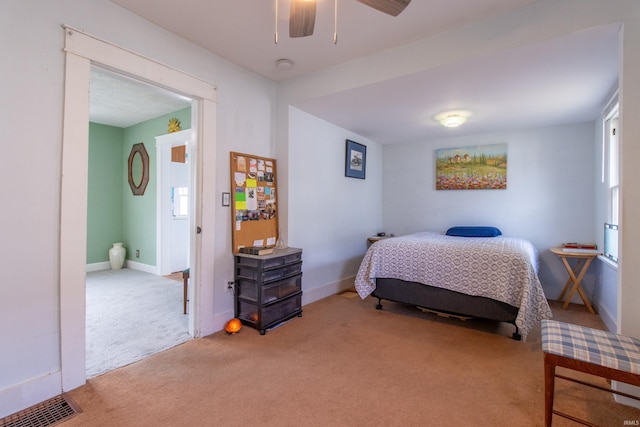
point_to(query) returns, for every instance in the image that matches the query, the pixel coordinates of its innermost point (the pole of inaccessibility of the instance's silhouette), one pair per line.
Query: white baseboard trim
(127, 264)
(142, 267)
(97, 266)
(608, 320)
(628, 389)
(219, 321)
(309, 296)
(27, 394)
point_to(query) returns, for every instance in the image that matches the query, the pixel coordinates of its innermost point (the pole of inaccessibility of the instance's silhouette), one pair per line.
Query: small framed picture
(355, 160)
(226, 199)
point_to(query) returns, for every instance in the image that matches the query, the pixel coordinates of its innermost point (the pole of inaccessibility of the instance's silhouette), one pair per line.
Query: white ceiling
(556, 82)
(122, 102)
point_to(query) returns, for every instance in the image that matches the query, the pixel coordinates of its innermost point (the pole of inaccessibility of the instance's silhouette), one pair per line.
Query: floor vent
(48, 413)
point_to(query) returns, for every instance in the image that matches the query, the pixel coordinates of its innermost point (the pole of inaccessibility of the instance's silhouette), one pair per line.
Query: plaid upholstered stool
(592, 351)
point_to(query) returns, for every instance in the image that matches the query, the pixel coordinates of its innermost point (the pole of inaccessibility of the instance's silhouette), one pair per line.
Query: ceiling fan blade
(302, 18)
(390, 7)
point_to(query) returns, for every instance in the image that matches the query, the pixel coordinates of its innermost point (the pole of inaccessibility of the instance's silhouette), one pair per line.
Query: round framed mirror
(138, 169)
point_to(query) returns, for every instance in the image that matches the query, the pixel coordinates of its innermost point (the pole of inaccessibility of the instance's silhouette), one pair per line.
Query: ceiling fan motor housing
(302, 15)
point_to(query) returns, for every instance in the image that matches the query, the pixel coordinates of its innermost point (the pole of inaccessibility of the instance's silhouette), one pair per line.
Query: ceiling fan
(302, 15)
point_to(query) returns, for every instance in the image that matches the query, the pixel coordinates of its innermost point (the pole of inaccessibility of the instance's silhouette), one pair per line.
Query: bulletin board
(253, 201)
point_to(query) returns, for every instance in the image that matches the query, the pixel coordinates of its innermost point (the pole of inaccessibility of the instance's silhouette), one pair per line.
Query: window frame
(611, 177)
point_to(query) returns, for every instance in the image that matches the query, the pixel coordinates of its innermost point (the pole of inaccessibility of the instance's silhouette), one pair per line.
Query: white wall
(30, 307)
(607, 294)
(630, 194)
(629, 277)
(330, 215)
(548, 200)
(607, 290)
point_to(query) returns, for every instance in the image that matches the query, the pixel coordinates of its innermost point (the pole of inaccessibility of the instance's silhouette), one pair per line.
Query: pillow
(474, 231)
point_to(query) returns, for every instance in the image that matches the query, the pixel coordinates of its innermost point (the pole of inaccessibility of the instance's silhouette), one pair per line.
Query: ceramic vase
(116, 256)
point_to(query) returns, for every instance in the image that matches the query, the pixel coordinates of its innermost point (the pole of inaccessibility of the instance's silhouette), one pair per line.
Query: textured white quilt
(500, 268)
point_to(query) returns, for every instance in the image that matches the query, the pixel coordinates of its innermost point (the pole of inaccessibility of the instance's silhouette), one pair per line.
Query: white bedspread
(500, 268)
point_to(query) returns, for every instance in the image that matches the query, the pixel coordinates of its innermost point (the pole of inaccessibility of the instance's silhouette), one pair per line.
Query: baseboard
(628, 389)
(27, 394)
(97, 266)
(142, 267)
(218, 323)
(608, 320)
(309, 296)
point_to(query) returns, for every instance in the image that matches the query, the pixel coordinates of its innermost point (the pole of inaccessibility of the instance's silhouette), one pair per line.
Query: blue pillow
(474, 231)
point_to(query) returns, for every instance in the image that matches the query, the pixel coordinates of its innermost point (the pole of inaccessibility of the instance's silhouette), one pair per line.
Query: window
(611, 178)
(180, 202)
(611, 242)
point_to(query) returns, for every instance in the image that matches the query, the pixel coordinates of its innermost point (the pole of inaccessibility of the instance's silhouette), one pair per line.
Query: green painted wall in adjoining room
(114, 214)
(139, 221)
(104, 198)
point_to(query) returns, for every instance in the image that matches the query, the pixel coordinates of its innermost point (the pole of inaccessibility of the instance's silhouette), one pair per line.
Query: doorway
(132, 313)
(81, 52)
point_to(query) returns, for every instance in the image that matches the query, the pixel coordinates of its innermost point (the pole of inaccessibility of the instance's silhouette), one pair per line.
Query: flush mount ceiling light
(453, 118)
(284, 64)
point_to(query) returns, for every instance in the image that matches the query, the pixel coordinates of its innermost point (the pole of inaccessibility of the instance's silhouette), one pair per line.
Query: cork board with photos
(253, 201)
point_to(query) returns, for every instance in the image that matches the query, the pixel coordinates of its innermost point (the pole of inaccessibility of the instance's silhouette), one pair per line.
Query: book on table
(583, 248)
(592, 246)
(254, 250)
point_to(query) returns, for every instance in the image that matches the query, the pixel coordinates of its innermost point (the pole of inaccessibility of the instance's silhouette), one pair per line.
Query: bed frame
(446, 301)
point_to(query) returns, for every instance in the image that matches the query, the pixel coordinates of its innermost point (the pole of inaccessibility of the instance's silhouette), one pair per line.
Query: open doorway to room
(82, 51)
(136, 310)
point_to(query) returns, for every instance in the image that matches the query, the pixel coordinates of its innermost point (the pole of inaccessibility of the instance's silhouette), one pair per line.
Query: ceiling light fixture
(453, 118)
(284, 64)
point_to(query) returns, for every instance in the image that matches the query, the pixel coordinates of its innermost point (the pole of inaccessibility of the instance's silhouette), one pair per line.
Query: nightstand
(576, 274)
(374, 239)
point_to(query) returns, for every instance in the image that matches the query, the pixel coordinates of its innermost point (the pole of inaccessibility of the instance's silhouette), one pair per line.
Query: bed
(488, 277)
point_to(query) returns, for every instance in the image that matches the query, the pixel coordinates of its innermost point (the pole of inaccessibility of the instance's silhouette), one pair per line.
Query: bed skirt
(444, 300)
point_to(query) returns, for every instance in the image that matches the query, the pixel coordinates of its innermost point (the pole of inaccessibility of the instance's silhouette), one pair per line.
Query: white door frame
(81, 52)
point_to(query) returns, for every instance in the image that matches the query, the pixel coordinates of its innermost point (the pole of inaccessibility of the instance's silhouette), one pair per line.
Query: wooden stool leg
(549, 384)
(186, 279)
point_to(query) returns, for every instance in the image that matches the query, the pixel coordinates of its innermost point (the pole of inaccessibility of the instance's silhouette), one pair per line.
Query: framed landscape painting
(482, 167)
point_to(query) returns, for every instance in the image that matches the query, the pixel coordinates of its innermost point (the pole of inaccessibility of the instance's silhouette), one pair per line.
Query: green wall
(104, 198)
(131, 219)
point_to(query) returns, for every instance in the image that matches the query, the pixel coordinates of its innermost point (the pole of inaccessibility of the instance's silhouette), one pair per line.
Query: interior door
(174, 216)
(180, 215)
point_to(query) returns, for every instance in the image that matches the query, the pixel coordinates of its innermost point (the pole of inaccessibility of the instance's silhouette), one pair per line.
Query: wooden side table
(576, 275)
(374, 239)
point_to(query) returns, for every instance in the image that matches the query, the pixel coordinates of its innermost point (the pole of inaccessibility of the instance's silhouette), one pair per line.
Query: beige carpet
(344, 363)
(131, 315)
